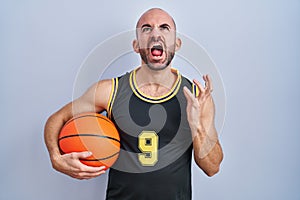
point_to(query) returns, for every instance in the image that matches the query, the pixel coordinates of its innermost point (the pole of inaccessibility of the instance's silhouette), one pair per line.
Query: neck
(147, 76)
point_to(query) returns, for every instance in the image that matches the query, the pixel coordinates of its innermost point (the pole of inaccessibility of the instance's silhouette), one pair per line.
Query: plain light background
(255, 45)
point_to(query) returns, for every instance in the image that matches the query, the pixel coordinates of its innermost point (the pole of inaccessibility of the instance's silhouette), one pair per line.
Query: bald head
(156, 39)
(155, 13)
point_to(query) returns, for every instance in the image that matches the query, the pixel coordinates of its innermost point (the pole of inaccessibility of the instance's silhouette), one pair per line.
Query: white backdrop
(255, 45)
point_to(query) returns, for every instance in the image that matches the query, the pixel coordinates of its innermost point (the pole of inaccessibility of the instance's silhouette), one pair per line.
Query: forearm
(52, 128)
(51, 135)
(208, 152)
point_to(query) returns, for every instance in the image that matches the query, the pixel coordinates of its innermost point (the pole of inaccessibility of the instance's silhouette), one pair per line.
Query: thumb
(187, 93)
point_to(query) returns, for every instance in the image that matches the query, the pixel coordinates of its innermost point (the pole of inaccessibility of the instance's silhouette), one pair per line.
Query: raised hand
(200, 109)
(200, 115)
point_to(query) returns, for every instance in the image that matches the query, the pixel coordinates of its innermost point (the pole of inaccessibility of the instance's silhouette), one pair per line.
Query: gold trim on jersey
(173, 91)
(195, 90)
(113, 93)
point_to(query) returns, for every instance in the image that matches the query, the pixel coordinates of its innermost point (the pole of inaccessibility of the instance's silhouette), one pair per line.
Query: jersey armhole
(113, 92)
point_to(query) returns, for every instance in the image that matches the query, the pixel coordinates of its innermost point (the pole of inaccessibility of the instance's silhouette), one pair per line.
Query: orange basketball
(91, 132)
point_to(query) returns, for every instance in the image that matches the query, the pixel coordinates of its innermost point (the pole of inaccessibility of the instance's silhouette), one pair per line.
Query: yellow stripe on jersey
(195, 90)
(114, 89)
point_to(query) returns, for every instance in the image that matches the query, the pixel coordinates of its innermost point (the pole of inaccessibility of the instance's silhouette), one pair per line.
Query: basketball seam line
(87, 134)
(87, 115)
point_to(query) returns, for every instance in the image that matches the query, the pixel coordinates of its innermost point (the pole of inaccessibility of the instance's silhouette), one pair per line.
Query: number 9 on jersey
(148, 145)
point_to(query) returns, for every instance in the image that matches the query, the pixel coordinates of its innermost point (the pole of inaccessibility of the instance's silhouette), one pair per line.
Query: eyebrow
(145, 25)
(162, 25)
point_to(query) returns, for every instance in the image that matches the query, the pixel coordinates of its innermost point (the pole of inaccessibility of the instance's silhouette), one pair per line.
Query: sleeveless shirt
(156, 146)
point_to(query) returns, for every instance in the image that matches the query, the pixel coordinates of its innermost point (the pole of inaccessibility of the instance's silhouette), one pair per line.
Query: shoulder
(104, 85)
(97, 95)
(106, 90)
(102, 91)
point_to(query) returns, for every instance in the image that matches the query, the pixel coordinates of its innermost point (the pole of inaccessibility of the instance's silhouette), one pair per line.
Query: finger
(78, 155)
(91, 169)
(87, 172)
(94, 175)
(82, 167)
(85, 175)
(209, 83)
(187, 93)
(83, 154)
(86, 168)
(204, 77)
(200, 87)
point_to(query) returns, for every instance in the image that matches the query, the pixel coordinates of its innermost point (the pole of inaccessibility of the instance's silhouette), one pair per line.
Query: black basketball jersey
(156, 145)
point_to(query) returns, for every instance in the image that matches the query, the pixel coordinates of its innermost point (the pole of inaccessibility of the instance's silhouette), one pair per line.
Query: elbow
(212, 172)
(209, 170)
(213, 169)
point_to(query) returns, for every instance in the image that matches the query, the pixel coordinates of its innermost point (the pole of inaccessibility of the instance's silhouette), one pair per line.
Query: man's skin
(154, 78)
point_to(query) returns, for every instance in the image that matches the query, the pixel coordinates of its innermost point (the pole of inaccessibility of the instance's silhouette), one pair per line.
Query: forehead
(155, 17)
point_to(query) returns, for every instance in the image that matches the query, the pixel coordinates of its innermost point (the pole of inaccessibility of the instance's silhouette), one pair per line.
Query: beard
(157, 65)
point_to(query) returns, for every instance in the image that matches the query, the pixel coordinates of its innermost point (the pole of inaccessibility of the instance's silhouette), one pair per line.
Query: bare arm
(208, 153)
(95, 99)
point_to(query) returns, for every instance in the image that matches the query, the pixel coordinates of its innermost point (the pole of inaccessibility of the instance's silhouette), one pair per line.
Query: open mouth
(157, 50)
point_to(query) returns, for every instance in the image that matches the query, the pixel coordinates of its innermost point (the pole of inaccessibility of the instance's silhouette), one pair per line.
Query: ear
(135, 45)
(178, 44)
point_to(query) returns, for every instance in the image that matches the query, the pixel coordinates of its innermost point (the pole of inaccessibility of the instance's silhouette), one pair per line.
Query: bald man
(161, 116)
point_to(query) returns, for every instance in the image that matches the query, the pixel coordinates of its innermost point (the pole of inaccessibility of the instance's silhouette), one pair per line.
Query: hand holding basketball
(71, 165)
(91, 132)
(90, 144)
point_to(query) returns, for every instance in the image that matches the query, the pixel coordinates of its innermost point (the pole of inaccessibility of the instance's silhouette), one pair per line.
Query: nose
(156, 33)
